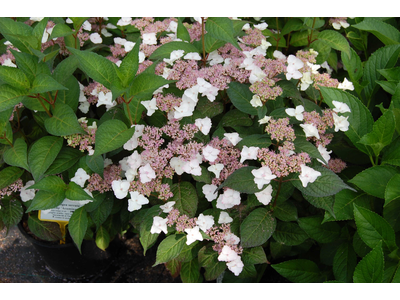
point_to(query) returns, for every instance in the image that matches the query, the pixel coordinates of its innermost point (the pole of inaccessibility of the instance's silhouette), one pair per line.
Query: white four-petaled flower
(296, 112)
(146, 173)
(210, 153)
(193, 234)
(340, 107)
(159, 224)
(120, 188)
(308, 175)
(248, 153)
(210, 192)
(310, 130)
(205, 222)
(265, 195)
(262, 176)
(136, 201)
(341, 122)
(80, 177)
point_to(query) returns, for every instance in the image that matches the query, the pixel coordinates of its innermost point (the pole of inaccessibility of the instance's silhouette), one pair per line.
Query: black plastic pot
(66, 261)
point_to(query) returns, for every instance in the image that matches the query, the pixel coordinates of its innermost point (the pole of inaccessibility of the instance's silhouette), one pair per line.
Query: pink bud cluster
(12, 188)
(102, 185)
(219, 235)
(280, 130)
(84, 141)
(322, 123)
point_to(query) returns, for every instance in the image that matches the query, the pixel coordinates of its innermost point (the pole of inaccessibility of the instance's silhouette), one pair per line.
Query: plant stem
(310, 36)
(128, 109)
(44, 106)
(202, 40)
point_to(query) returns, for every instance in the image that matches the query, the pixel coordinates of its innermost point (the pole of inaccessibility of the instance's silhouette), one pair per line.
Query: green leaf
(190, 272)
(257, 228)
(300, 38)
(101, 213)
(234, 118)
(381, 134)
(11, 212)
(241, 180)
(97, 67)
(146, 238)
(208, 259)
(353, 65)
(42, 154)
(17, 155)
(391, 155)
(383, 58)
(255, 140)
(60, 30)
(222, 29)
(14, 77)
(240, 96)
(10, 96)
(299, 270)
(322, 202)
(78, 21)
(360, 118)
(302, 145)
(289, 234)
(102, 238)
(45, 83)
(374, 229)
(335, 40)
(77, 226)
(111, 135)
(65, 159)
(75, 192)
(374, 180)
(322, 233)
(19, 34)
(254, 256)
(63, 122)
(50, 184)
(344, 263)
(9, 175)
(327, 184)
(130, 65)
(48, 231)
(145, 84)
(286, 211)
(392, 191)
(65, 69)
(386, 33)
(96, 164)
(164, 51)
(293, 24)
(185, 198)
(370, 268)
(181, 32)
(211, 44)
(45, 200)
(169, 248)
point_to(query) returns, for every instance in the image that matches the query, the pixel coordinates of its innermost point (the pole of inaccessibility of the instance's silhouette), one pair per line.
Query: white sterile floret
(176, 54)
(124, 21)
(296, 112)
(132, 143)
(314, 68)
(294, 62)
(346, 85)
(340, 107)
(106, 99)
(256, 101)
(8, 63)
(224, 218)
(235, 266)
(151, 106)
(257, 74)
(310, 130)
(159, 224)
(210, 153)
(134, 160)
(173, 26)
(192, 55)
(204, 125)
(262, 176)
(205, 222)
(26, 194)
(248, 153)
(231, 238)
(80, 177)
(228, 199)
(327, 67)
(261, 26)
(216, 169)
(306, 81)
(167, 207)
(120, 188)
(136, 201)
(111, 26)
(341, 122)
(264, 120)
(192, 167)
(119, 41)
(177, 164)
(308, 175)
(206, 89)
(234, 138)
(265, 195)
(279, 55)
(293, 73)
(142, 57)
(129, 46)
(210, 192)
(146, 173)
(193, 234)
(149, 38)
(214, 58)
(96, 38)
(105, 32)
(324, 153)
(36, 19)
(87, 26)
(227, 254)
(131, 174)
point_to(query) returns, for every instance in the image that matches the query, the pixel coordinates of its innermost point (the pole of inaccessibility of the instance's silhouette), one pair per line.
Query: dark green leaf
(48, 231)
(170, 248)
(17, 155)
(185, 198)
(77, 226)
(299, 270)
(63, 122)
(370, 268)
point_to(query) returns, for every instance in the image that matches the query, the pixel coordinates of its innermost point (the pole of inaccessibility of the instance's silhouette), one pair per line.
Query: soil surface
(21, 263)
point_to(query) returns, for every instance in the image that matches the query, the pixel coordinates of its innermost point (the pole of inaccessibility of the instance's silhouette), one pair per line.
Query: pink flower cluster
(84, 141)
(102, 185)
(12, 188)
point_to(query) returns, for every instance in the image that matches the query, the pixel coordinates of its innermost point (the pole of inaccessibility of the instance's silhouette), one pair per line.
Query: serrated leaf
(96, 164)
(63, 122)
(322, 233)
(45, 83)
(374, 229)
(101, 213)
(169, 248)
(164, 51)
(144, 86)
(146, 238)
(391, 155)
(77, 226)
(17, 155)
(46, 200)
(222, 29)
(299, 270)
(240, 96)
(392, 191)
(130, 65)
(286, 211)
(185, 197)
(234, 118)
(289, 234)
(254, 256)
(344, 263)
(370, 268)
(75, 192)
(10, 96)
(190, 272)
(50, 184)
(386, 33)
(48, 231)
(9, 175)
(335, 40)
(42, 154)
(11, 212)
(241, 180)
(257, 228)
(60, 30)
(374, 180)
(14, 77)
(111, 135)
(65, 159)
